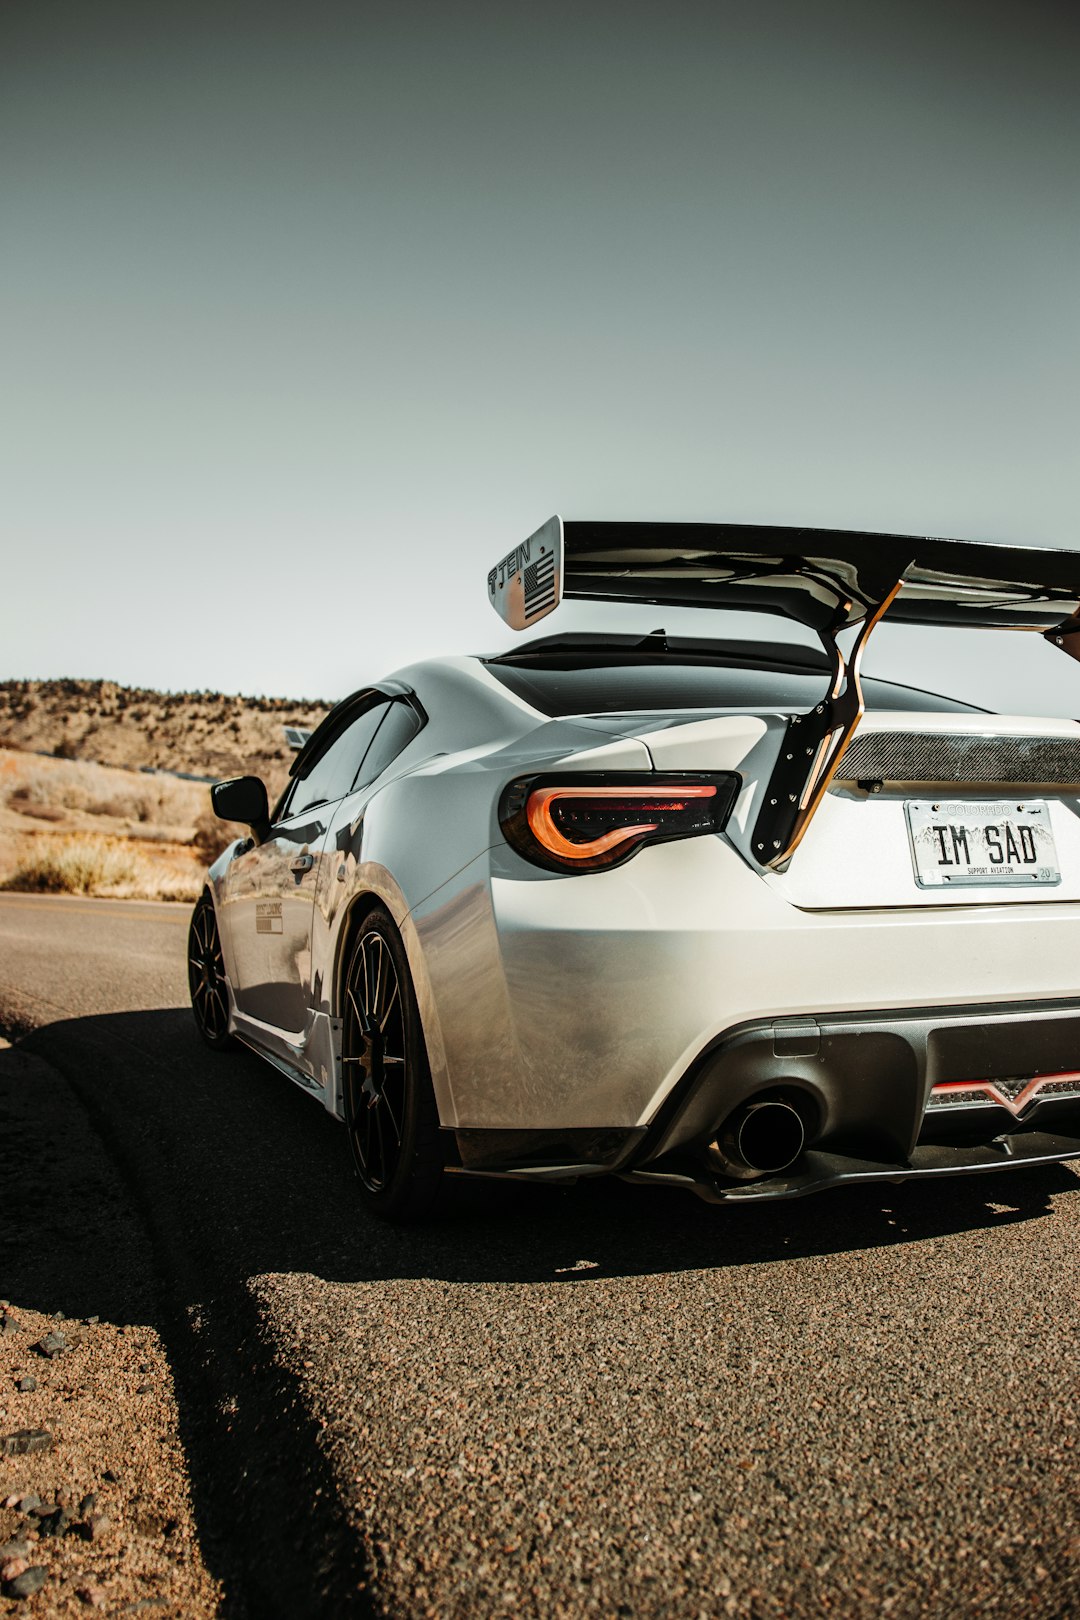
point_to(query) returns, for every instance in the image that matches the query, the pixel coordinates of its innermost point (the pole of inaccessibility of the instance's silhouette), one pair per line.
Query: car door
(269, 889)
(343, 848)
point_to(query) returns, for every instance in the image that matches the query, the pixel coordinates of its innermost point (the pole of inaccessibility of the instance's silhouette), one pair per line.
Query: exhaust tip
(759, 1139)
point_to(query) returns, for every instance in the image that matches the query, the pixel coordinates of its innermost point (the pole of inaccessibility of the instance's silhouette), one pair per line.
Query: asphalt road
(598, 1401)
(62, 957)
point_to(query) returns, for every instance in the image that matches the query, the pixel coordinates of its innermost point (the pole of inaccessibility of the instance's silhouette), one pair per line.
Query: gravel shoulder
(104, 1509)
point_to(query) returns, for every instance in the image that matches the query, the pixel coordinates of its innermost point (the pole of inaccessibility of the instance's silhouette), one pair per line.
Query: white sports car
(711, 914)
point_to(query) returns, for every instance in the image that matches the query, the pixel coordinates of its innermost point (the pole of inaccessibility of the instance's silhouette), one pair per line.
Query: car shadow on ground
(222, 1146)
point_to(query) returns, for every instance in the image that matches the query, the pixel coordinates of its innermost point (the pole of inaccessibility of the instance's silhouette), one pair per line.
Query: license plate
(988, 843)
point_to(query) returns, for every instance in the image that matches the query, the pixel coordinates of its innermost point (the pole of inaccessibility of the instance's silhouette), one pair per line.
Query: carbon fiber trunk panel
(911, 756)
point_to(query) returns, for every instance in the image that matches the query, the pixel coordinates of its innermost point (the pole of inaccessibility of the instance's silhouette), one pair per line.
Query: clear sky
(310, 312)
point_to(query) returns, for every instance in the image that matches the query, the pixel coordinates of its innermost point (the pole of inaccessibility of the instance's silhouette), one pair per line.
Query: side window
(398, 729)
(331, 776)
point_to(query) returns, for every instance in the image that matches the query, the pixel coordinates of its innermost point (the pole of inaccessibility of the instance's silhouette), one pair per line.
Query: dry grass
(97, 790)
(73, 827)
(76, 864)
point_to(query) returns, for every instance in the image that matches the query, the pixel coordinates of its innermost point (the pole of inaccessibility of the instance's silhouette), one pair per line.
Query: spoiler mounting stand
(814, 743)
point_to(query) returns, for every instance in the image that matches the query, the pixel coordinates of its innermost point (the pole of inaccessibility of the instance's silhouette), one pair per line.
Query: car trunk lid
(962, 771)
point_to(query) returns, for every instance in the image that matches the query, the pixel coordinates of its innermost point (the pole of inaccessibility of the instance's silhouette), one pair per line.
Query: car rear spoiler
(826, 579)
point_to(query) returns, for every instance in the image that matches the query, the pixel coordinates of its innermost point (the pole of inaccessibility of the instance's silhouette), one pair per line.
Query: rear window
(620, 688)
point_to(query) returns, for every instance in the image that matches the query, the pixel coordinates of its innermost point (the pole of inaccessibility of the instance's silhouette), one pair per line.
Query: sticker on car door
(268, 917)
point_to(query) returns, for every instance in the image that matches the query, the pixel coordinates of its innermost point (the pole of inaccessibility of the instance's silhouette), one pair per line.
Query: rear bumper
(865, 1085)
(581, 1003)
(598, 993)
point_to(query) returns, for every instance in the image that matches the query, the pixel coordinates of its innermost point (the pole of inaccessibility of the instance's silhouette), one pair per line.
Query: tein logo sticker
(268, 917)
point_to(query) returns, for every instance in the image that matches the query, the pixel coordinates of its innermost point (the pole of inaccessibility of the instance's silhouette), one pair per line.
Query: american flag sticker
(539, 581)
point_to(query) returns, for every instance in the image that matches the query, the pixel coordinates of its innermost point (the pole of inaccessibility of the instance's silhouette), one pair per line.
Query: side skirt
(311, 1060)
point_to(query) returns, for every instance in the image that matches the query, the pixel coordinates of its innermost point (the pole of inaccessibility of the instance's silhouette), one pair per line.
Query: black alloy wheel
(206, 977)
(390, 1109)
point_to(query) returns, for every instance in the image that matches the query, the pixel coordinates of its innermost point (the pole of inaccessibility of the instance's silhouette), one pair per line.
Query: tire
(390, 1110)
(206, 977)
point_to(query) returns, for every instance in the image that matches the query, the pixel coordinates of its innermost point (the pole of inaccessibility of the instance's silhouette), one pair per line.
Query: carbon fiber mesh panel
(912, 756)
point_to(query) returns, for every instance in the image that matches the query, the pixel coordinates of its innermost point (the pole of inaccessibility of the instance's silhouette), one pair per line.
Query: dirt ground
(100, 1515)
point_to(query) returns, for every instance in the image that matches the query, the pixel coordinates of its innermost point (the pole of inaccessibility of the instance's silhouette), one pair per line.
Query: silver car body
(589, 1022)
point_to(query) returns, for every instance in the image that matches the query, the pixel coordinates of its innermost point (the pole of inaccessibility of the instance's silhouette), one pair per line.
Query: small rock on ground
(51, 1345)
(25, 1441)
(30, 1581)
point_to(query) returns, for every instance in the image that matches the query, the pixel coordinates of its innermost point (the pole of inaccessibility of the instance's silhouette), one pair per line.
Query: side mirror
(243, 799)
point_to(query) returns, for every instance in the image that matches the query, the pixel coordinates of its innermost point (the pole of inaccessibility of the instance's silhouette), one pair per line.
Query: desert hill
(202, 733)
(87, 820)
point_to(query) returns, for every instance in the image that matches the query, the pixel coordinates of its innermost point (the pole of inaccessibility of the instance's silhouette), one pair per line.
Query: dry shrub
(41, 812)
(62, 785)
(101, 866)
(213, 835)
(99, 791)
(143, 804)
(73, 866)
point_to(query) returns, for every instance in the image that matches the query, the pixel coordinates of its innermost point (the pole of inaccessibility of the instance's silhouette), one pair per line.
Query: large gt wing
(813, 576)
(826, 579)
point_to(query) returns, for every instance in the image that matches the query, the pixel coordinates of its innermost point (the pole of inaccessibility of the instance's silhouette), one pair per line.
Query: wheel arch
(361, 905)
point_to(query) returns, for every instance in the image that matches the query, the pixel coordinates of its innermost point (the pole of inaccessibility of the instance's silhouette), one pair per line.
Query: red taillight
(586, 823)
